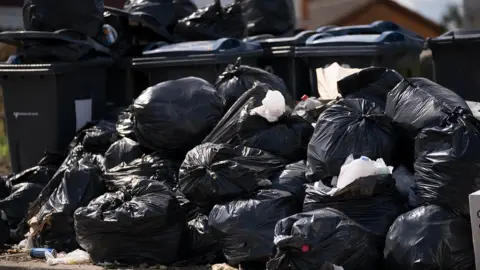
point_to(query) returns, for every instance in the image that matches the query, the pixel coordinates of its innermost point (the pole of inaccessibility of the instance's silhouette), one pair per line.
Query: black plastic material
(456, 57)
(40, 99)
(203, 59)
(442, 240)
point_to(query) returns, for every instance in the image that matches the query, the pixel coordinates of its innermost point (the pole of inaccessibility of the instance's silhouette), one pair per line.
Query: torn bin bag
(212, 22)
(351, 126)
(140, 225)
(371, 201)
(81, 183)
(217, 173)
(246, 124)
(418, 103)
(311, 108)
(447, 165)
(275, 17)
(123, 151)
(84, 16)
(322, 237)
(246, 226)
(153, 166)
(238, 79)
(430, 238)
(373, 83)
(163, 122)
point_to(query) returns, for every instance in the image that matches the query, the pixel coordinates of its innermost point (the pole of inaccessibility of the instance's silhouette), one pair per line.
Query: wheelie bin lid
(455, 36)
(16, 38)
(326, 44)
(214, 51)
(376, 27)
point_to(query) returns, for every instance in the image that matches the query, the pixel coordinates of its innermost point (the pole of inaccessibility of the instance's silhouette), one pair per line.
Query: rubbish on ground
(246, 226)
(328, 77)
(312, 240)
(355, 127)
(75, 257)
(142, 224)
(443, 240)
(42, 253)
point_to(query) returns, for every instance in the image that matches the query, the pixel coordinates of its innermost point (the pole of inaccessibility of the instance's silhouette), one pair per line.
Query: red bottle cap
(305, 248)
(304, 97)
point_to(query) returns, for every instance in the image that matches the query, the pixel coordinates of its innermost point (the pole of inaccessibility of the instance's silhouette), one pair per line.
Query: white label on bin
(17, 114)
(83, 112)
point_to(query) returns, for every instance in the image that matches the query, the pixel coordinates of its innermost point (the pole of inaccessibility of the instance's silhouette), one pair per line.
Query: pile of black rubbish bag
(181, 178)
(193, 173)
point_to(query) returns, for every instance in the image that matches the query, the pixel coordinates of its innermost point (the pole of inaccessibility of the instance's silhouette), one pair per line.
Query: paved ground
(6, 265)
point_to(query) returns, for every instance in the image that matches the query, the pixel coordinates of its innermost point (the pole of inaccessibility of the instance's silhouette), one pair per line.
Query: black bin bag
(203, 246)
(143, 224)
(447, 165)
(371, 201)
(81, 183)
(317, 239)
(276, 17)
(373, 83)
(122, 151)
(125, 124)
(152, 166)
(292, 179)
(429, 238)
(176, 115)
(238, 79)
(212, 22)
(351, 126)
(287, 137)
(217, 173)
(419, 103)
(85, 16)
(161, 16)
(311, 108)
(246, 227)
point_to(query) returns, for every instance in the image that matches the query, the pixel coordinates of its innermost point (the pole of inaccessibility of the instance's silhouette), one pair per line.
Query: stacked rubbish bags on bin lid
(238, 172)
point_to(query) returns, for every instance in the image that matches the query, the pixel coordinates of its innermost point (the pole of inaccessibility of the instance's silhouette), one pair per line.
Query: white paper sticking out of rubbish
(75, 257)
(475, 107)
(354, 169)
(273, 106)
(328, 77)
(83, 112)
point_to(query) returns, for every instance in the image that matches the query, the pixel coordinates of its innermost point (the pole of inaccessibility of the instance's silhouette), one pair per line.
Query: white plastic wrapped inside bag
(353, 169)
(75, 257)
(273, 106)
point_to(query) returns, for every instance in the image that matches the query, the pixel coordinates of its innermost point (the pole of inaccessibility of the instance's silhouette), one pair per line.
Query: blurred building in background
(11, 14)
(353, 12)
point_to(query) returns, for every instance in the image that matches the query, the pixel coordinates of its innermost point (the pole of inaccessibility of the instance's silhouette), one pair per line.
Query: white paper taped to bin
(83, 112)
